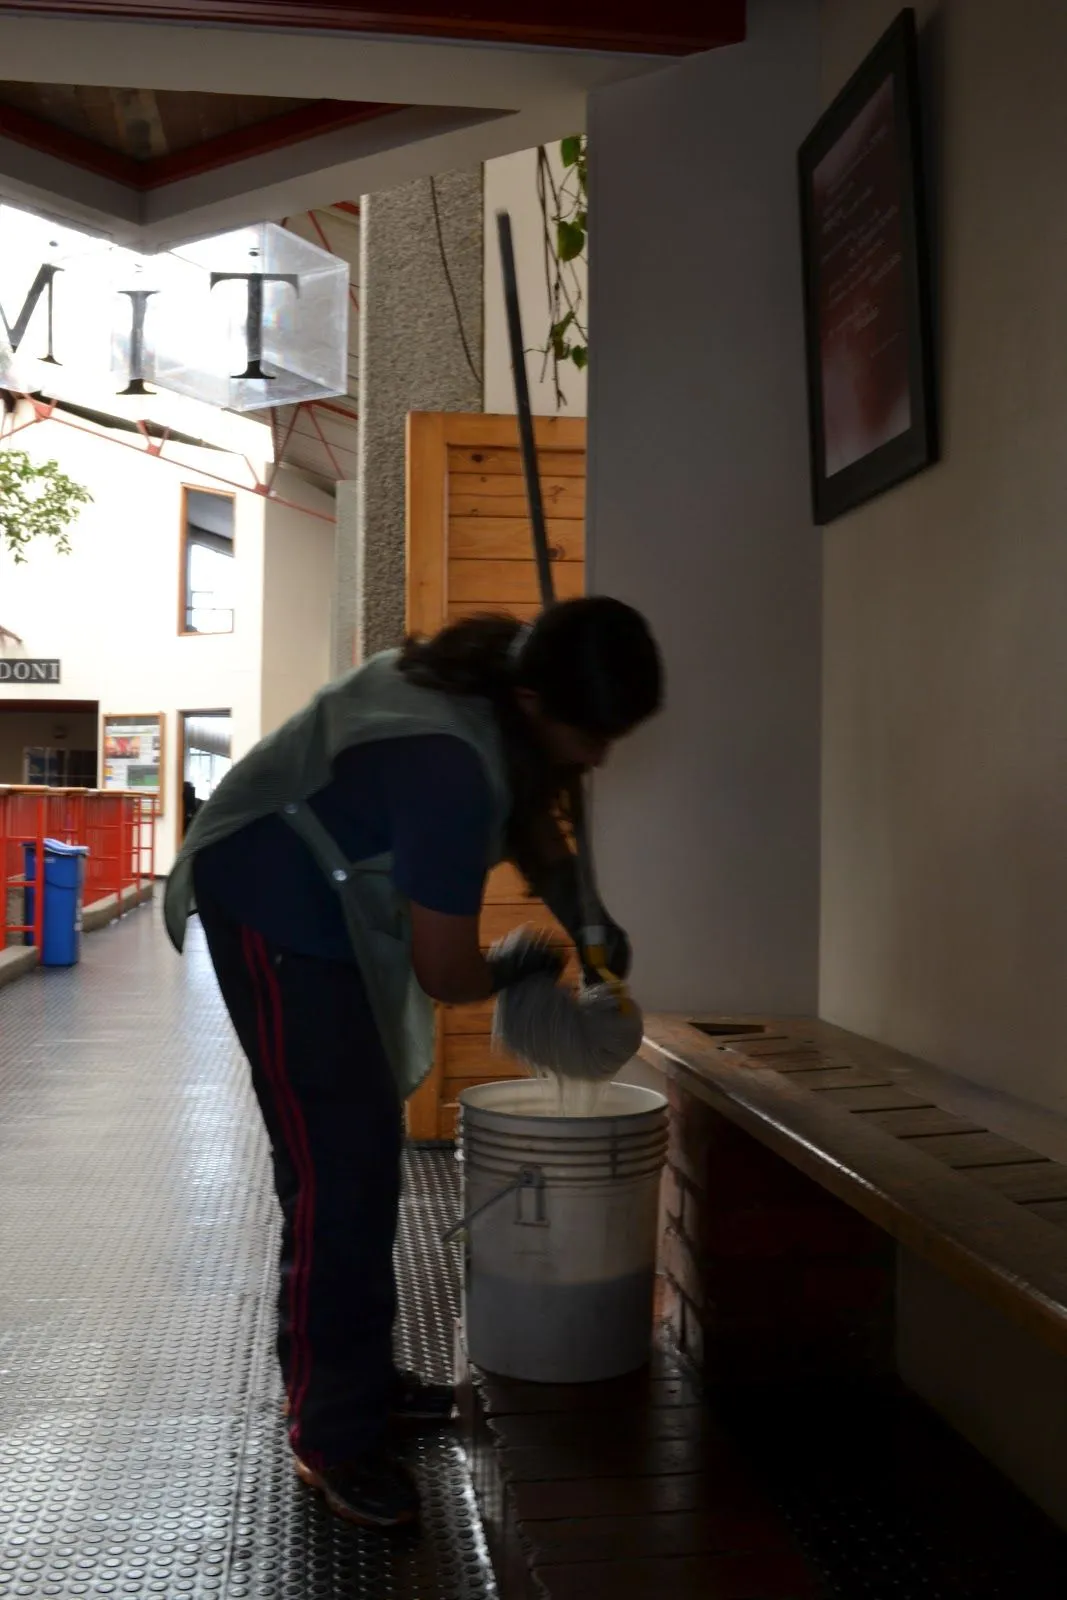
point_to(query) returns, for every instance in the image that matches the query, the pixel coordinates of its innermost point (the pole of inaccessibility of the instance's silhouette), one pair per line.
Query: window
(206, 757)
(56, 767)
(207, 562)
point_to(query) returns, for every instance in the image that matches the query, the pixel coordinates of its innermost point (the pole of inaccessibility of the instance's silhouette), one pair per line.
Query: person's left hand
(618, 951)
(558, 888)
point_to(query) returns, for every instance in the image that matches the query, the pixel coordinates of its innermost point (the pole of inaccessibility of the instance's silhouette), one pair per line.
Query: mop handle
(527, 446)
(592, 938)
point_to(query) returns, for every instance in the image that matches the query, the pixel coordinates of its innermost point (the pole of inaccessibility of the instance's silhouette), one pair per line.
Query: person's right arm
(446, 956)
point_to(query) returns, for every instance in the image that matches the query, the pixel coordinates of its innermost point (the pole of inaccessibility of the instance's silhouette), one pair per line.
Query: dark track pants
(333, 1115)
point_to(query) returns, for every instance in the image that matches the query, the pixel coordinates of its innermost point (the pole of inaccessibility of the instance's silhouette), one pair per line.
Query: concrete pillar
(411, 358)
(344, 629)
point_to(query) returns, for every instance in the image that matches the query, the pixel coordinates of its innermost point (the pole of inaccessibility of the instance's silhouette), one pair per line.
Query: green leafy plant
(565, 215)
(37, 501)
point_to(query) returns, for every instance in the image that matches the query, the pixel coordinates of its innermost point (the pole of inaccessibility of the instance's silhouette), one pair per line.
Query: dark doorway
(54, 743)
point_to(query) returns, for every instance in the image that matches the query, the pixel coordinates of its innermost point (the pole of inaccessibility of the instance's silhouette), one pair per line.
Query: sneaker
(374, 1490)
(413, 1400)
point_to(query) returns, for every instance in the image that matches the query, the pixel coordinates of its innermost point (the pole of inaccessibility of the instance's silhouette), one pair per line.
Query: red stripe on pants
(271, 1028)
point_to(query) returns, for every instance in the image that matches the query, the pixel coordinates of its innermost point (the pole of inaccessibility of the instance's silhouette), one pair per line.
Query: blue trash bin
(64, 879)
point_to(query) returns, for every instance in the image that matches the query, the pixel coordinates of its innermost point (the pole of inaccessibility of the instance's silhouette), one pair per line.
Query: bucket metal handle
(525, 1178)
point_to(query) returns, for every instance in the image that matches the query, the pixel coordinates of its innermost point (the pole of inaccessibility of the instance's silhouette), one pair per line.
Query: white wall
(994, 1382)
(109, 611)
(945, 887)
(298, 580)
(707, 827)
(511, 185)
(945, 768)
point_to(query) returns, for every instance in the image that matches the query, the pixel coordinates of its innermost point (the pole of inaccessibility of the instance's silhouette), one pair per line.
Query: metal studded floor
(142, 1450)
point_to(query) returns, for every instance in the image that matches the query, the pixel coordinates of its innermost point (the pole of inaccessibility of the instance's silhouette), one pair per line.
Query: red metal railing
(117, 827)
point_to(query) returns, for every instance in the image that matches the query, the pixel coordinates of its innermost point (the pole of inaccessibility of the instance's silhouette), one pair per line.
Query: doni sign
(28, 669)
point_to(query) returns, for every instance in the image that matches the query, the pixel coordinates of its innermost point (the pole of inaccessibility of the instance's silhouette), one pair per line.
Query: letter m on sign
(16, 331)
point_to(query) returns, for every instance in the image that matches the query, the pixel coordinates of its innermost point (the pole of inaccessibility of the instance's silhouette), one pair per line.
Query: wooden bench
(788, 1133)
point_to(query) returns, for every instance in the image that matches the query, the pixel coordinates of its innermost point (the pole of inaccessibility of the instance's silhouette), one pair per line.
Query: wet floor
(142, 1449)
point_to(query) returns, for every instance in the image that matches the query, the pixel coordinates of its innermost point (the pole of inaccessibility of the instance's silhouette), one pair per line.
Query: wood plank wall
(469, 550)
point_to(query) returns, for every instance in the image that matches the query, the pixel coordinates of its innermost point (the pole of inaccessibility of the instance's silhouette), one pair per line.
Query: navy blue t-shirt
(426, 799)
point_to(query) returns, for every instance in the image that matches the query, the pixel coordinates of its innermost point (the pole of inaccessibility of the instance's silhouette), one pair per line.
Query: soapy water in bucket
(572, 1097)
(577, 1041)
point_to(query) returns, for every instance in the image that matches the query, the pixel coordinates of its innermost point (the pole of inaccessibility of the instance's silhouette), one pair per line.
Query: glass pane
(208, 758)
(209, 570)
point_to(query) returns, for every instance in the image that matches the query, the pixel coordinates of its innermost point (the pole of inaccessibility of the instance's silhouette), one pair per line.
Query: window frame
(184, 631)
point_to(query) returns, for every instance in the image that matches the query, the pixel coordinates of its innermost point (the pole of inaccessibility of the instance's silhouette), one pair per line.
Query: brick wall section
(767, 1276)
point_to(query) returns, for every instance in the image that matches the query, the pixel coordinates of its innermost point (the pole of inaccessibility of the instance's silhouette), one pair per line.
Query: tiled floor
(640, 1488)
(141, 1444)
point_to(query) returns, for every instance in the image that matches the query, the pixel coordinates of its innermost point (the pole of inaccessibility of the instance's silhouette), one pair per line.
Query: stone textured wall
(345, 617)
(767, 1277)
(411, 358)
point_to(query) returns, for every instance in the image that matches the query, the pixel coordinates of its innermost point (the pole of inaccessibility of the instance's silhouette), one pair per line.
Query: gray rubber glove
(522, 954)
(558, 888)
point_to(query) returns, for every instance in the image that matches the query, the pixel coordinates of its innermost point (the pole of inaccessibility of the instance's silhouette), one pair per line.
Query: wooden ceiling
(150, 137)
(142, 123)
(671, 26)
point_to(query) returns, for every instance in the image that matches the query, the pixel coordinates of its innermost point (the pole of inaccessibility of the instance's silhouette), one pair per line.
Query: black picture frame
(868, 294)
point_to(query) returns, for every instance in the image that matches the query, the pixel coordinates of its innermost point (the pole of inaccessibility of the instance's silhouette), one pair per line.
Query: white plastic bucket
(561, 1236)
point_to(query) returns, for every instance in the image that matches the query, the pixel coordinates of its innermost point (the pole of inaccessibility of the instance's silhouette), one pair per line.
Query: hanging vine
(565, 217)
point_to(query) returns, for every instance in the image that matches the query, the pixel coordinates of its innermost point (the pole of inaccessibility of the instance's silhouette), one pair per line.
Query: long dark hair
(595, 666)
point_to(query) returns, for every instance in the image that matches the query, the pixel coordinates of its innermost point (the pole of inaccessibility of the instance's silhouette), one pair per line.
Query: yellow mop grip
(595, 958)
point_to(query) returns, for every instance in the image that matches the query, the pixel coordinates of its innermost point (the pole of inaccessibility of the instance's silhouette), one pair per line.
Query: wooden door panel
(478, 608)
(467, 1019)
(509, 539)
(496, 583)
(469, 550)
(456, 1086)
(497, 920)
(553, 463)
(503, 495)
(471, 1054)
(505, 883)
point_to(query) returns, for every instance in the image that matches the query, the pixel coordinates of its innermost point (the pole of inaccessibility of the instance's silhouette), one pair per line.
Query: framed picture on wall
(132, 753)
(867, 286)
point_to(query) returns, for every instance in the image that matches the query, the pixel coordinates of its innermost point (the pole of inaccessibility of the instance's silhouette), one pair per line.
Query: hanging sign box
(248, 320)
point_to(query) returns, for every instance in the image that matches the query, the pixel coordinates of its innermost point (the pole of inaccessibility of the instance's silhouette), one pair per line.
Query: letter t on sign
(254, 325)
(139, 299)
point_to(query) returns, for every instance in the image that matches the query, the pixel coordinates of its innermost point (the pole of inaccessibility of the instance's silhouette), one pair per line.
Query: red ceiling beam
(673, 27)
(341, 411)
(68, 147)
(273, 133)
(47, 413)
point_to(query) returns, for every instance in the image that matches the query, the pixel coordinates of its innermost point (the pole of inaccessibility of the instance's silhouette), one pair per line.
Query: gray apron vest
(278, 777)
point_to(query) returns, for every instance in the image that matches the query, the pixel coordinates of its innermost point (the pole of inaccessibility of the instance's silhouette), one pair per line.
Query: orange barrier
(118, 828)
